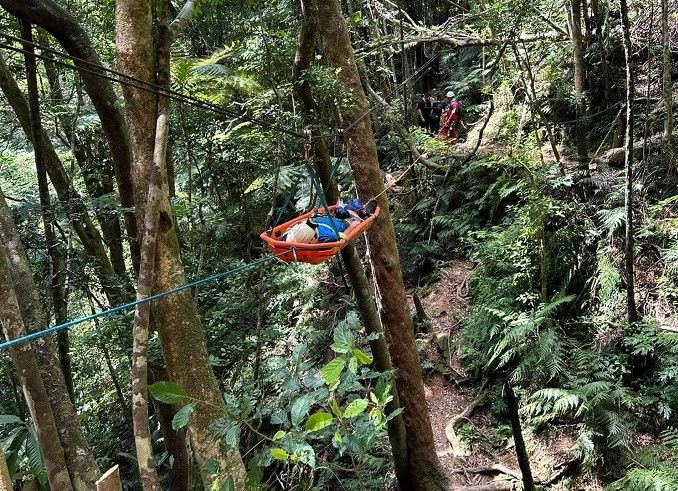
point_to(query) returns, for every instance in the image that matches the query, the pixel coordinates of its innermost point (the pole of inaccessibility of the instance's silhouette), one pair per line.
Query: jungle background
(538, 252)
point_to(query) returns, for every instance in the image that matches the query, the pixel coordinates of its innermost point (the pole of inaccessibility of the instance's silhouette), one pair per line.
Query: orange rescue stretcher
(311, 253)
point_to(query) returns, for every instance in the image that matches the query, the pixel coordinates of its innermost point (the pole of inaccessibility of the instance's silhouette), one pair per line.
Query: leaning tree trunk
(176, 317)
(574, 19)
(423, 464)
(666, 74)
(31, 380)
(55, 277)
(631, 312)
(56, 20)
(82, 225)
(79, 458)
(97, 173)
(356, 273)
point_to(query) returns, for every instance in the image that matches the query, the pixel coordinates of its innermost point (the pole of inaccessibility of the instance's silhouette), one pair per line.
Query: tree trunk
(666, 74)
(55, 277)
(79, 458)
(5, 478)
(361, 287)
(82, 224)
(176, 317)
(631, 311)
(175, 440)
(97, 173)
(31, 380)
(423, 461)
(521, 450)
(574, 19)
(56, 20)
(142, 432)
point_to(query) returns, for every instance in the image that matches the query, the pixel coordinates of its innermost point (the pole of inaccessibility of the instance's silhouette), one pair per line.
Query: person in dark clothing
(424, 111)
(434, 118)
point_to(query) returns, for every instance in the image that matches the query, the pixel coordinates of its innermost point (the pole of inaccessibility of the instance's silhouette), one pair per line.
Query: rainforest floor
(482, 442)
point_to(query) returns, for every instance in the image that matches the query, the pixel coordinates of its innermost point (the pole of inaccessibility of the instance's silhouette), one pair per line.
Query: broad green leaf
(355, 408)
(256, 184)
(353, 364)
(167, 392)
(331, 372)
(337, 439)
(340, 348)
(362, 357)
(300, 408)
(318, 421)
(336, 409)
(10, 419)
(182, 416)
(279, 454)
(278, 435)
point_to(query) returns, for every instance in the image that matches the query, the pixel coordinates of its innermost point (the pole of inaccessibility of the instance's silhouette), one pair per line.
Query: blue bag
(327, 227)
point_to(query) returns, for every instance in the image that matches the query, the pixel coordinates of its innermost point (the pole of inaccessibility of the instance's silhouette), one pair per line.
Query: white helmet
(301, 233)
(450, 94)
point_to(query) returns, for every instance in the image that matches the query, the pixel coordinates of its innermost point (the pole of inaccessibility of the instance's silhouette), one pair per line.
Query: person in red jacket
(451, 119)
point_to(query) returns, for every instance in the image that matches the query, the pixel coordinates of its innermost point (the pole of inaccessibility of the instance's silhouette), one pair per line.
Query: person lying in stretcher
(322, 229)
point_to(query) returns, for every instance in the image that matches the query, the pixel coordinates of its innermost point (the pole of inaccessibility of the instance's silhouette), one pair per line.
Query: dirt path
(445, 303)
(483, 441)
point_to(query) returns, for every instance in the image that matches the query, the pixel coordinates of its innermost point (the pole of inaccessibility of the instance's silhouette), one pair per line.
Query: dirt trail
(445, 303)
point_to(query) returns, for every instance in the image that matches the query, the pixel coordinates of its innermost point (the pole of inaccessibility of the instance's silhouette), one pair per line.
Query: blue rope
(126, 306)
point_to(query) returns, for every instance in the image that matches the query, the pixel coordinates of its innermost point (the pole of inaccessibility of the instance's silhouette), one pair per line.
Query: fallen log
(616, 155)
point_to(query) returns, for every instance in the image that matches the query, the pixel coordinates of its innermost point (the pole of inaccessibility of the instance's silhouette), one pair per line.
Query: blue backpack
(326, 228)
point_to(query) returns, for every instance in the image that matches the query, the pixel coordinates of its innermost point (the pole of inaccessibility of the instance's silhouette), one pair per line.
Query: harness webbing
(127, 306)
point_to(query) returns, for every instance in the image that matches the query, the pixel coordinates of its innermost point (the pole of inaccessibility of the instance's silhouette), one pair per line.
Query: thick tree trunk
(176, 317)
(574, 19)
(81, 463)
(666, 74)
(521, 450)
(361, 287)
(56, 20)
(82, 224)
(631, 311)
(31, 380)
(422, 458)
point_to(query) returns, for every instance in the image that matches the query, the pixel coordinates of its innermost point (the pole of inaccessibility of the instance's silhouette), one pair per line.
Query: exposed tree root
(490, 470)
(450, 433)
(496, 486)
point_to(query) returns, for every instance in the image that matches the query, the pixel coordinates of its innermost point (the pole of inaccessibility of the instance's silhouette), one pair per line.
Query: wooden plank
(110, 481)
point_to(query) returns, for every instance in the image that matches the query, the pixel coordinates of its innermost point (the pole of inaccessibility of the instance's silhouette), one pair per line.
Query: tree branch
(462, 41)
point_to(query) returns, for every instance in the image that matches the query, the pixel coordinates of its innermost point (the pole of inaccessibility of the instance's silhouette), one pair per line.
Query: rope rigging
(128, 306)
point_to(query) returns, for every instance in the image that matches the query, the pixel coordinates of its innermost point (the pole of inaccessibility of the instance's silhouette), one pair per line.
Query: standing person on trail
(424, 111)
(434, 118)
(451, 119)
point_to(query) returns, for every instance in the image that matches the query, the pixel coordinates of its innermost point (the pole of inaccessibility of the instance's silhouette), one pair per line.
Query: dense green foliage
(547, 309)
